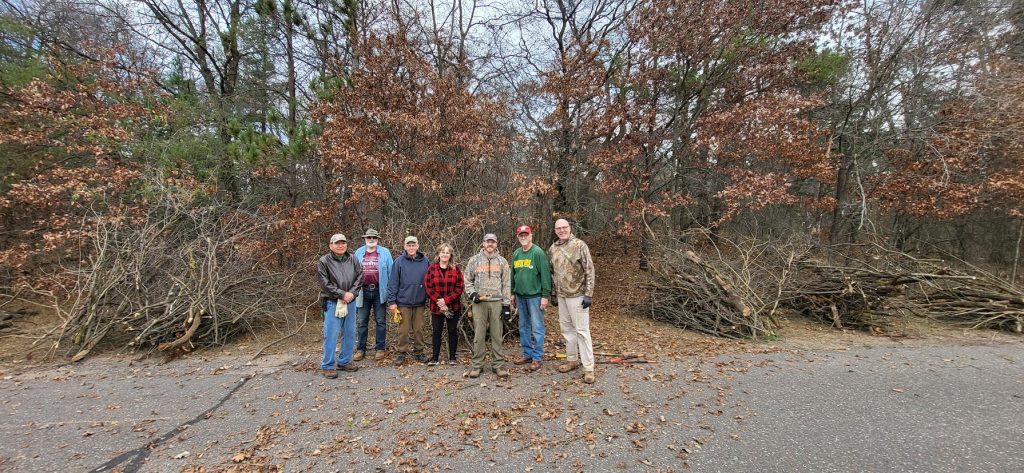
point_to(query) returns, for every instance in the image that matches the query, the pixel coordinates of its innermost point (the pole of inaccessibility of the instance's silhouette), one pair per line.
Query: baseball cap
(411, 239)
(524, 229)
(371, 233)
(338, 237)
(490, 236)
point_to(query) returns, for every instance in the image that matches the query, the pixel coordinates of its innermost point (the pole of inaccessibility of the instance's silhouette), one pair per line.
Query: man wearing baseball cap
(376, 262)
(341, 279)
(407, 293)
(488, 283)
(531, 289)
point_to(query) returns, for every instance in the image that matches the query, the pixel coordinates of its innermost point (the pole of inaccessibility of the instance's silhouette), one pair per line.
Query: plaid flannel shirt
(446, 283)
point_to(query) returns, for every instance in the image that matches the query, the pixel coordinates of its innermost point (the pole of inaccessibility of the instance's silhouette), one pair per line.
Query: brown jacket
(573, 268)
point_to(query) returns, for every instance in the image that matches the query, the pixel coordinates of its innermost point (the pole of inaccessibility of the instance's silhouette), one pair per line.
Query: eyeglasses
(372, 238)
(561, 228)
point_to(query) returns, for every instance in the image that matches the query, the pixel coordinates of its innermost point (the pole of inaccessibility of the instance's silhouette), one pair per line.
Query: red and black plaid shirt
(446, 283)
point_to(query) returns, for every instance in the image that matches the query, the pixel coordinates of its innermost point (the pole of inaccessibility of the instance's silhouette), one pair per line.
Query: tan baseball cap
(411, 239)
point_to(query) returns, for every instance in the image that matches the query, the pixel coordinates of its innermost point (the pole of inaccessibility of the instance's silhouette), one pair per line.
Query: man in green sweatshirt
(531, 290)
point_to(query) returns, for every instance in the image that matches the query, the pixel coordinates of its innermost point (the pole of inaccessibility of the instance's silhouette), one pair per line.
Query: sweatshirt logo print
(523, 263)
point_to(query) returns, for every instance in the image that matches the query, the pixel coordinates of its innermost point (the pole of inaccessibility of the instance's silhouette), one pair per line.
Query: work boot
(568, 366)
(535, 365)
(358, 356)
(399, 360)
(474, 372)
(330, 374)
(380, 355)
(349, 367)
(502, 373)
(523, 360)
(588, 377)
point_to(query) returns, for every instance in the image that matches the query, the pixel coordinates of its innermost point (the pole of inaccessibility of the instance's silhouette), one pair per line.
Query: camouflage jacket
(573, 268)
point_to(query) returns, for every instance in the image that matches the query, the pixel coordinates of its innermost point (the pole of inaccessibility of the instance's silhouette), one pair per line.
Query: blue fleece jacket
(384, 263)
(405, 287)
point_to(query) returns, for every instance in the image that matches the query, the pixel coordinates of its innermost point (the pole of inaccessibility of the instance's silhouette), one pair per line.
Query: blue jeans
(333, 326)
(531, 327)
(371, 299)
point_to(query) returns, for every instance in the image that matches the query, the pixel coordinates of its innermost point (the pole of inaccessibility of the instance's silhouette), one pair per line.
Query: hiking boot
(330, 374)
(568, 366)
(535, 365)
(380, 355)
(588, 377)
(421, 358)
(349, 367)
(432, 362)
(358, 356)
(474, 373)
(399, 360)
(523, 360)
(502, 373)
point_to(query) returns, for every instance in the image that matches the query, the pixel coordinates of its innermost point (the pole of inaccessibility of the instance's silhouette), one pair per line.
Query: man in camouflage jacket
(573, 287)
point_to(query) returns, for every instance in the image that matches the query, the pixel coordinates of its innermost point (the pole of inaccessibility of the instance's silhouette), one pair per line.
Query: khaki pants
(412, 326)
(487, 315)
(574, 321)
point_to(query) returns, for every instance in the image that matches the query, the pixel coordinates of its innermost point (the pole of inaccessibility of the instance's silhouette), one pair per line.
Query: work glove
(553, 301)
(475, 297)
(587, 301)
(506, 313)
(396, 316)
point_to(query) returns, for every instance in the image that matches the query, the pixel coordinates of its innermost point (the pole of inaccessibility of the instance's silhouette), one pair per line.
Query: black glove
(475, 297)
(506, 313)
(553, 301)
(587, 301)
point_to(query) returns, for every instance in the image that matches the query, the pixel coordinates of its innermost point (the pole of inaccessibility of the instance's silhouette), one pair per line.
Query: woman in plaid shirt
(444, 287)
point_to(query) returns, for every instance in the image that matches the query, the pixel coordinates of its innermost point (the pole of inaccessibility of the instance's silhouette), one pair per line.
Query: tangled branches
(733, 297)
(173, 279)
(738, 293)
(878, 284)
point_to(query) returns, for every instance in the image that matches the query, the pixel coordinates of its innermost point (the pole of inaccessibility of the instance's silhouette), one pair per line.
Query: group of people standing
(352, 285)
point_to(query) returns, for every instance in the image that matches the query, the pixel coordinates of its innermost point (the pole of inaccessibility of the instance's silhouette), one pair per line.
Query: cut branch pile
(870, 295)
(738, 293)
(724, 299)
(180, 278)
(978, 300)
(842, 297)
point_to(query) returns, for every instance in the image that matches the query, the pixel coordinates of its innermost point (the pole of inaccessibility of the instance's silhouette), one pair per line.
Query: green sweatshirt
(531, 273)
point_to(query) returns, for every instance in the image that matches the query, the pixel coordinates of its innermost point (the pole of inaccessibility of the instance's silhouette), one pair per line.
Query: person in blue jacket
(376, 262)
(407, 294)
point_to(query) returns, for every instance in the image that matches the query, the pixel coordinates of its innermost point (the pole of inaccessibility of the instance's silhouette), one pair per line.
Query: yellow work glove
(396, 316)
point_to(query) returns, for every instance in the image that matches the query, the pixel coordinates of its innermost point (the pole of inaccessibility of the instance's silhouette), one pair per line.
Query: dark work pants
(437, 323)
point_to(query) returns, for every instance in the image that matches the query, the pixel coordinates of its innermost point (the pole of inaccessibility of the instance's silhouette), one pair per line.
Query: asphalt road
(929, 409)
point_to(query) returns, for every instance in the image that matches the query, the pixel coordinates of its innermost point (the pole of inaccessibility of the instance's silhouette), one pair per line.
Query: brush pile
(174, 279)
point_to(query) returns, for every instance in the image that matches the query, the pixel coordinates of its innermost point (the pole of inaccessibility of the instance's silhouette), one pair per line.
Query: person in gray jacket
(341, 278)
(489, 285)
(408, 295)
